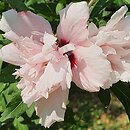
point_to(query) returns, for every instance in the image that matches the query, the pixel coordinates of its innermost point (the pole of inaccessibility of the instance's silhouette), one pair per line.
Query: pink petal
(35, 22)
(72, 27)
(40, 58)
(60, 71)
(49, 39)
(125, 76)
(28, 92)
(93, 70)
(111, 38)
(30, 75)
(116, 17)
(123, 52)
(4, 26)
(92, 29)
(114, 39)
(23, 23)
(11, 35)
(107, 50)
(14, 22)
(116, 63)
(123, 24)
(47, 50)
(53, 108)
(28, 47)
(66, 48)
(11, 54)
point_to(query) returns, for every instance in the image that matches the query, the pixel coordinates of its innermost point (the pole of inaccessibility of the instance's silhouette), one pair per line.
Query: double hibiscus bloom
(91, 57)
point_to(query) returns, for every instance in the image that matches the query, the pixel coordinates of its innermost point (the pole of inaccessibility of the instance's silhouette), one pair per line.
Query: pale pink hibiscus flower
(114, 39)
(49, 64)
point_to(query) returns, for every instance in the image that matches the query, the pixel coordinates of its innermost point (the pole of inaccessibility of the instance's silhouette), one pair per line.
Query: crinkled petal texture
(48, 85)
(114, 39)
(30, 75)
(116, 18)
(73, 22)
(45, 71)
(52, 109)
(18, 53)
(26, 30)
(61, 75)
(93, 70)
(41, 63)
(11, 54)
(22, 24)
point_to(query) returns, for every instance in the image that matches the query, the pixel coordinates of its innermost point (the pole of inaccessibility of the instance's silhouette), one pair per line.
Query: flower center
(72, 59)
(70, 54)
(62, 42)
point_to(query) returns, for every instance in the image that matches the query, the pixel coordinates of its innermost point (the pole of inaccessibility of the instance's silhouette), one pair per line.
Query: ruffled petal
(28, 47)
(125, 76)
(93, 69)
(29, 74)
(49, 39)
(4, 26)
(11, 20)
(115, 18)
(23, 23)
(92, 29)
(111, 38)
(35, 22)
(53, 108)
(11, 54)
(61, 74)
(73, 20)
(11, 35)
(123, 24)
(28, 92)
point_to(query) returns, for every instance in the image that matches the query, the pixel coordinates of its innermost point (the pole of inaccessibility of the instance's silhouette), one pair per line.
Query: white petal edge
(52, 109)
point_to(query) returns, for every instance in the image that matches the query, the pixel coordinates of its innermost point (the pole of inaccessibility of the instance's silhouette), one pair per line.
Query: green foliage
(14, 109)
(102, 10)
(59, 6)
(105, 97)
(6, 74)
(127, 1)
(1, 62)
(84, 110)
(122, 92)
(3, 41)
(17, 4)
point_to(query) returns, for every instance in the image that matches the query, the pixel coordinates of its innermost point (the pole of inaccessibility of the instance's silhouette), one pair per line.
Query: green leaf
(122, 92)
(127, 1)
(31, 2)
(1, 37)
(46, 9)
(6, 74)
(2, 103)
(119, 2)
(18, 125)
(1, 62)
(98, 7)
(70, 116)
(104, 96)
(7, 92)
(2, 86)
(14, 109)
(2, 6)
(59, 6)
(30, 111)
(18, 5)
